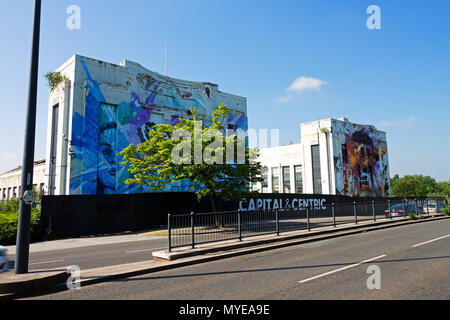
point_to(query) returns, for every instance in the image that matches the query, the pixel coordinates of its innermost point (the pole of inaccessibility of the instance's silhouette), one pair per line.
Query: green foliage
(418, 185)
(412, 216)
(151, 163)
(54, 79)
(9, 206)
(446, 210)
(8, 227)
(37, 197)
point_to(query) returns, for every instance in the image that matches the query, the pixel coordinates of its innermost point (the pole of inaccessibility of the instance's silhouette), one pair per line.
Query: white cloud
(305, 83)
(299, 85)
(284, 99)
(404, 123)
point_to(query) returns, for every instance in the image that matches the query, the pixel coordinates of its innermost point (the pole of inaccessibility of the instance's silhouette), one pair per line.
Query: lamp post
(23, 224)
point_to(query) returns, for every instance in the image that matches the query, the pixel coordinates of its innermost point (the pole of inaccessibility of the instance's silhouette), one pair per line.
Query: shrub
(9, 206)
(446, 210)
(412, 216)
(54, 79)
(8, 227)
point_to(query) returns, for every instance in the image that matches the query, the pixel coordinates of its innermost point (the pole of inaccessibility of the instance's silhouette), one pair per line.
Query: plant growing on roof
(54, 79)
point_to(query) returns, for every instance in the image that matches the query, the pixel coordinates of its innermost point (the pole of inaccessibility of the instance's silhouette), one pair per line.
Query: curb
(31, 282)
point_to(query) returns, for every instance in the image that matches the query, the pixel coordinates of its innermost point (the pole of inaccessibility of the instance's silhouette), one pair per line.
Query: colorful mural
(105, 129)
(361, 161)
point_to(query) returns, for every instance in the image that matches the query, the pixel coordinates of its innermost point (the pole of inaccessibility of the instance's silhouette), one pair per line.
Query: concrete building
(10, 181)
(101, 108)
(335, 156)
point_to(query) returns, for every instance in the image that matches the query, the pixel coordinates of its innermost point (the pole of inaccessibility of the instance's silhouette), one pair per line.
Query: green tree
(417, 185)
(191, 151)
(412, 185)
(443, 189)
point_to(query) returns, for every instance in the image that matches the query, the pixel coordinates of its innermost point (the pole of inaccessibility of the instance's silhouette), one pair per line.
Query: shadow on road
(271, 269)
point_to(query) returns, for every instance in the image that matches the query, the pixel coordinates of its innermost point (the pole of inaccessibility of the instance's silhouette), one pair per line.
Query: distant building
(10, 181)
(335, 156)
(101, 108)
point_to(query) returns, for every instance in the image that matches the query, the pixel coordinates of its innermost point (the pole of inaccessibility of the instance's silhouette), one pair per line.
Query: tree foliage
(54, 79)
(191, 151)
(418, 185)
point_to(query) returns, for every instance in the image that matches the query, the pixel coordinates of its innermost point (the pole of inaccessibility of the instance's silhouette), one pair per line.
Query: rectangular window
(53, 147)
(276, 180)
(317, 178)
(286, 180)
(298, 179)
(265, 176)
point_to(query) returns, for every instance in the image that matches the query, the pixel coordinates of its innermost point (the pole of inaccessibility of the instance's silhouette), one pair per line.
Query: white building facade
(335, 157)
(10, 181)
(101, 108)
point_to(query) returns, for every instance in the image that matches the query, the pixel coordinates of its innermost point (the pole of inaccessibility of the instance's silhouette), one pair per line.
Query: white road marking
(341, 269)
(143, 250)
(419, 244)
(43, 262)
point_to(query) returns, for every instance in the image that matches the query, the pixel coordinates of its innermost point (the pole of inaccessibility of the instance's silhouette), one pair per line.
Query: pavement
(94, 252)
(219, 251)
(412, 263)
(65, 244)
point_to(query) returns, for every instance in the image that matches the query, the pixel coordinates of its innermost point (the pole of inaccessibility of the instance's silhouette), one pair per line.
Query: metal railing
(200, 228)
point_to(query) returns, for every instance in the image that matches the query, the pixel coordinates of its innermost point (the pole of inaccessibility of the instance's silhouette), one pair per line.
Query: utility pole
(23, 224)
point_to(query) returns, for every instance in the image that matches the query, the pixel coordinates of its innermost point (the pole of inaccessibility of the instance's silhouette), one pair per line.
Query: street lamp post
(23, 224)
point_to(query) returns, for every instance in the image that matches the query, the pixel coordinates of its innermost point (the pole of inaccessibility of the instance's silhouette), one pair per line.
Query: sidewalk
(90, 241)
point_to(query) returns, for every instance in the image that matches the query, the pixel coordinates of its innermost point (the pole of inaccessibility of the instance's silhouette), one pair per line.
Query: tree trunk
(215, 207)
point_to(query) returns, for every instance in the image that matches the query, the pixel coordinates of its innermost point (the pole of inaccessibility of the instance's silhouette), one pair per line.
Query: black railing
(199, 228)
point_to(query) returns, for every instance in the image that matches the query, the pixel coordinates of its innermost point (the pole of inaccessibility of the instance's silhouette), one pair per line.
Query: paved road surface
(411, 268)
(97, 255)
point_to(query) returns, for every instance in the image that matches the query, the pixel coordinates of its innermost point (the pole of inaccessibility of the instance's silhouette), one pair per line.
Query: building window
(53, 147)
(14, 195)
(286, 180)
(317, 178)
(298, 179)
(265, 176)
(276, 180)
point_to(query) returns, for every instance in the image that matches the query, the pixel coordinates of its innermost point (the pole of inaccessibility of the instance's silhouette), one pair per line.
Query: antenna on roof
(165, 57)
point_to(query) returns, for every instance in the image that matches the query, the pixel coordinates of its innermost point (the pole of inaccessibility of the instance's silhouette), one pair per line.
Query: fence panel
(193, 229)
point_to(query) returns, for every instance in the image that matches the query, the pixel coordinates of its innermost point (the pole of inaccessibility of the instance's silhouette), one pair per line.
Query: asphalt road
(410, 267)
(96, 255)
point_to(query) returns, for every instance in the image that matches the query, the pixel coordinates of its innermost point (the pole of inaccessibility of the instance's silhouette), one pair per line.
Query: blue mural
(106, 129)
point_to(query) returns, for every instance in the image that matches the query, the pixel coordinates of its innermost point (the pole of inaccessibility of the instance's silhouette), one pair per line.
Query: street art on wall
(361, 161)
(105, 129)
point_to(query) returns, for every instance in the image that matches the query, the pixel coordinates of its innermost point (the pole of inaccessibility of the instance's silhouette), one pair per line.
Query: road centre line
(43, 262)
(419, 244)
(341, 269)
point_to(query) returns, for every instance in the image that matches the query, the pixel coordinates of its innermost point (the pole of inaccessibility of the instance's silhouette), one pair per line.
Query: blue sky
(397, 78)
